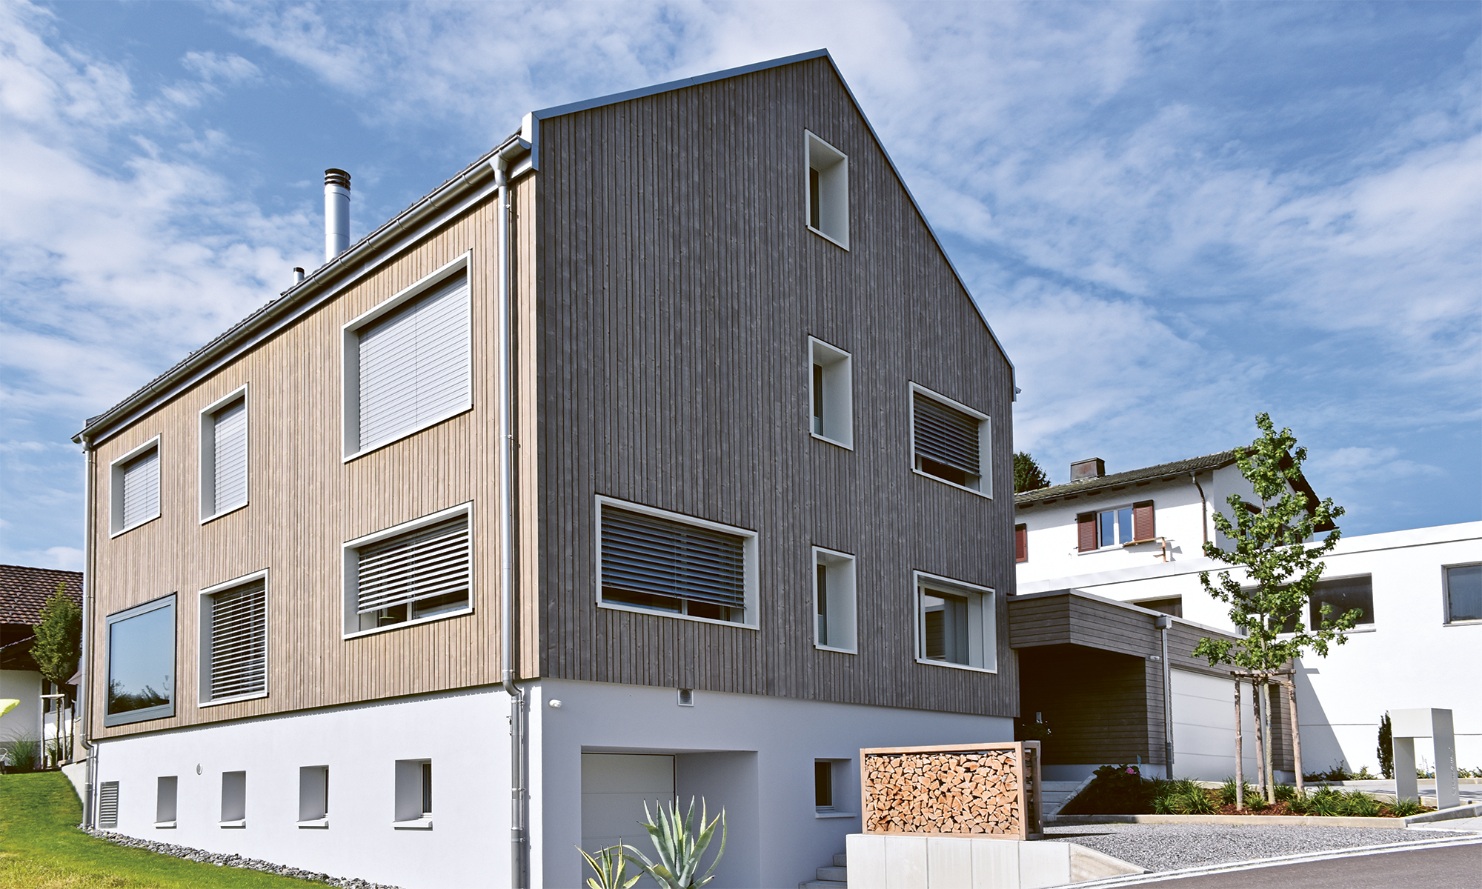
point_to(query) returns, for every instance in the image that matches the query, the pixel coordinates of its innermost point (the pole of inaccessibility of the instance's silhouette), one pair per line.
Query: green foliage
(1272, 537)
(1361, 805)
(1285, 793)
(1386, 749)
(680, 845)
(1406, 807)
(58, 642)
(1184, 797)
(22, 752)
(1027, 474)
(1226, 792)
(1336, 773)
(611, 865)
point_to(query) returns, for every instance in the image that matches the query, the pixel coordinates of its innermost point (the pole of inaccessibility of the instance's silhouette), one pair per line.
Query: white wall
(465, 734)
(752, 754)
(25, 719)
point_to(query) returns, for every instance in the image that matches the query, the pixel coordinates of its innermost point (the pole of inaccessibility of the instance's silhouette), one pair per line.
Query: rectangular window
(833, 600)
(407, 364)
(224, 456)
(313, 796)
(956, 624)
(831, 787)
(1341, 595)
(141, 663)
(1463, 593)
(233, 799)
(1118, 526)
(828, 190)
(413, 793)
(1021, 543)
(164, 801)
(832, 398)
(234, 640)
(950, 441)
(664, 562)
(823, 785)
(108, 805)
(418, 571)
(135, 487)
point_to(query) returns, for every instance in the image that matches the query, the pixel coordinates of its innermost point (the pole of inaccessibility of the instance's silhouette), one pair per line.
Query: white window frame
(313, 796)
(833, 189)
(350, 360)
(348, 565)
(1446, 597)
(843, 598)
(115, 487)
(748, 557)
(986, 607)
(985, 440)
(838, 393)
(1116, 544)
(410, 779)
(207, 441)
(207, 651)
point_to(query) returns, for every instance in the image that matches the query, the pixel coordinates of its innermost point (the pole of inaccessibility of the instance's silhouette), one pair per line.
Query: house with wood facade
(659, 453)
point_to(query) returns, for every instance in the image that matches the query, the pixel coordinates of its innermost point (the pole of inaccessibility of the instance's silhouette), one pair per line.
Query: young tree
(58, 645)
(1273, 544)
(1027, 474)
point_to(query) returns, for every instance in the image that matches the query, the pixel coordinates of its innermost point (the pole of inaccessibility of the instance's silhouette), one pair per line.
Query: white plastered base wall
(753, 755)
(465, 734)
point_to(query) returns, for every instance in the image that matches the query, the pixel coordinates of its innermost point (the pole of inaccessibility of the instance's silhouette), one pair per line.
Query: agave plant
(680, 846)
(611, 865)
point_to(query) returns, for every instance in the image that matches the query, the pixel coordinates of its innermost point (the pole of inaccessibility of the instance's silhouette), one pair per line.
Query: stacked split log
(975, 792)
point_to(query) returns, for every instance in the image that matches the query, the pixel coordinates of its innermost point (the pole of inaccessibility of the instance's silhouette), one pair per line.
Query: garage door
(1204, 727)
(614, 787)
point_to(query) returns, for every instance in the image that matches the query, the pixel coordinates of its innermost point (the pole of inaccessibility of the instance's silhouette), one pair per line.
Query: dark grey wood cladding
(677, 285)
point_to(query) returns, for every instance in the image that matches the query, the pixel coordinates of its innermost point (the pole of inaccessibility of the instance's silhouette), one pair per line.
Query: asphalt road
(1444, 867)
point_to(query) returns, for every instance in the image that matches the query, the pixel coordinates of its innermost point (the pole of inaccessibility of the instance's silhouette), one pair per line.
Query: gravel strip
(222, 859)
(1163, 847)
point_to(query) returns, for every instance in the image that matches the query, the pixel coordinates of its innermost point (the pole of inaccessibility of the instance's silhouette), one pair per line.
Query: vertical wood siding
(677, 288)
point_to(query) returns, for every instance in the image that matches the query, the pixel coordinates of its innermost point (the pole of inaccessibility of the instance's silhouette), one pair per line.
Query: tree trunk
(1255, 707)
(1239, 753)
(1269, 773)
(1291, 688)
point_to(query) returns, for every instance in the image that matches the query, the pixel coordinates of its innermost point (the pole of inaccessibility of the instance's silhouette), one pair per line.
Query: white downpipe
(83, 697)
(519, 739)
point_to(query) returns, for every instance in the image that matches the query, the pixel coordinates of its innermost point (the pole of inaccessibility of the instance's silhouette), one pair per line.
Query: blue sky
(1173, 214)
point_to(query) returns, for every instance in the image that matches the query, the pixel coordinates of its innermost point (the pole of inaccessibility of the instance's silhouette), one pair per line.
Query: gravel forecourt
(1164, 847)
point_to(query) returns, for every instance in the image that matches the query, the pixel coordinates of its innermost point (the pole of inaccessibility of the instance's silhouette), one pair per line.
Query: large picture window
(956, 624)
(141, 663)
(663, 562)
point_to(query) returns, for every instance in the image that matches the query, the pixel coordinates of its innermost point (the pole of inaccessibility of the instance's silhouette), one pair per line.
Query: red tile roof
(24, 590)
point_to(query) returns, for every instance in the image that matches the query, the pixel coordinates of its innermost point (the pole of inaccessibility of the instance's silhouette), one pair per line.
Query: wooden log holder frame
(987, 790)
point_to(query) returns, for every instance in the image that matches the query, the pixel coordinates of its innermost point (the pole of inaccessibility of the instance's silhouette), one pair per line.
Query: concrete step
(822, 884)
(836, 874)
(839, 860)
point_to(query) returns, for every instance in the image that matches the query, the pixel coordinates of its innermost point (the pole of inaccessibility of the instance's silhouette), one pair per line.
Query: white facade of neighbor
(25, 720)
(1408, 657)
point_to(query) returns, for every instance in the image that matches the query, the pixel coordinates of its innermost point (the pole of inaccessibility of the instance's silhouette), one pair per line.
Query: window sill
(825, 815)
(942, 481)
(951, 666)
(652, 612)
(205, 520)
(835, 649)
(833, 441)
(356, 634)
(238, 824)
(127, 528)
(164, 825)
(441, 418)
(418, 824)
(314, 824)
(232, 700)
(827, 237)
(1463, 623)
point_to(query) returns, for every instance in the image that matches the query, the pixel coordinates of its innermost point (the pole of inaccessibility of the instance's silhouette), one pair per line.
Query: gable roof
(24, 590)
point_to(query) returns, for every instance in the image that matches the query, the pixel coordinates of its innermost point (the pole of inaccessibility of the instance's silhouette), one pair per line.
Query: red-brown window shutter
(1086, 531)
(1021, 543)
(1142, 521)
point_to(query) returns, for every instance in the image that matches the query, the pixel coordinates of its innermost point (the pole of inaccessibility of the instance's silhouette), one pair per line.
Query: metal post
(1164, 623)
(1239, 752)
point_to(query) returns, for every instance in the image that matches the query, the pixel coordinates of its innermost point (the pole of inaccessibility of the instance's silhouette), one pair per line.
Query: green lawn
(41, 848)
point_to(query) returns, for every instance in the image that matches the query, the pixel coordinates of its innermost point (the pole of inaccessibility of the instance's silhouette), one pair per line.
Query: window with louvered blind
(418, 571)
(664, 562)
(408, 364)
(224, 456)
(234, 640)
(135, 492)
(950, 442)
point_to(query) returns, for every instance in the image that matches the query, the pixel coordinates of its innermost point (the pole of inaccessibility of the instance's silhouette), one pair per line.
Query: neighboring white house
(1137, 537)
(23, 592)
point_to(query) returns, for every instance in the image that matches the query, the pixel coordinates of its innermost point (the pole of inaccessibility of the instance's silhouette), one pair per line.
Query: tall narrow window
(413, 793)
(1021, 543)
(667, 563)
(166, 788)
(950, 441)
(828, 190)
(956, 624)
(233, 799)
(224, 456)
(313, 796)
(408, 364)
(832, 393)
(834, 600)
(135, 487)
(823, 785)
(234, 640)
(417, 571)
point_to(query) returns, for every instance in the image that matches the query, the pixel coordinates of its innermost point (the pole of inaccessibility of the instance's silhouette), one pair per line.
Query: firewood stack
(983, 790)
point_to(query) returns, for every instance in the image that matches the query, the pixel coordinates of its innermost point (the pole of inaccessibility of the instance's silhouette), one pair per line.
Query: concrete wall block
(1042, 865)
(949, 863)
(905, 863)
(995, 863)
(866, 857)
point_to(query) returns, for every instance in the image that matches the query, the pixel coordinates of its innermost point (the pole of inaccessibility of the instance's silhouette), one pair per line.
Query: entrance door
(614, 787)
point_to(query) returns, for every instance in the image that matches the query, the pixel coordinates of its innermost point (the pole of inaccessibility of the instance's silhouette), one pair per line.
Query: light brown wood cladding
(984, 790)
(678, 286)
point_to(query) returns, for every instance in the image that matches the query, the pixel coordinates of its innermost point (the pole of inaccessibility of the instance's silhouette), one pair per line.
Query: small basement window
(831, 790)
(313, 796)
(828, 190)
(233, 799)
(413, 793)
(832, 399)
(166, 789)
(833, 600)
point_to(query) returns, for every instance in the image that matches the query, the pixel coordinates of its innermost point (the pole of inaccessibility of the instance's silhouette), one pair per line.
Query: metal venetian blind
(646, 554)
(946, 435)
(108, 804)
(239, 642)
(422, 564)
(141, 488)
(414, 364)
(229, 456)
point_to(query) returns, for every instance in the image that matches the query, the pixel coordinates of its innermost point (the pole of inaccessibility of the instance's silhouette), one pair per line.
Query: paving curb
(1471, 810)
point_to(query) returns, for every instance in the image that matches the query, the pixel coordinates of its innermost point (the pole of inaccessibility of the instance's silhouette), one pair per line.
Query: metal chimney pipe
(336, 212)
(298, 275)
